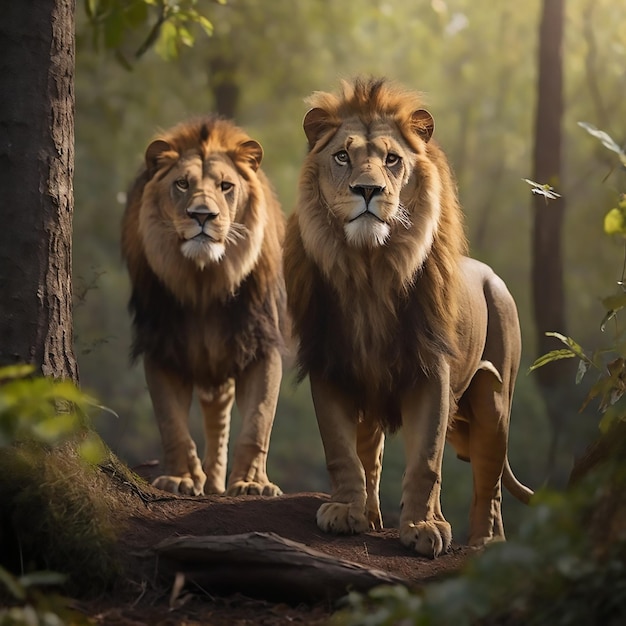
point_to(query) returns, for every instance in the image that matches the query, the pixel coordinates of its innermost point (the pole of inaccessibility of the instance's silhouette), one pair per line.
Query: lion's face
(200, 205)
(362, 175)
(366, 176)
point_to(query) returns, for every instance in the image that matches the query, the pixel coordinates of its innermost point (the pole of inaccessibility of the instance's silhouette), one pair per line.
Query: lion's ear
(252, 151)
(316, 122)
(423, 124)
(153, 152)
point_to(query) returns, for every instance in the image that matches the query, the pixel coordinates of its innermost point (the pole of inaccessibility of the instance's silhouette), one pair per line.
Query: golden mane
(369, 100)
(406, 287)
(208, 135)
(245, 287)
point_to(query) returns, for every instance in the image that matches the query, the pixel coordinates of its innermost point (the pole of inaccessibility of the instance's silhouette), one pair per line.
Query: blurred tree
(547, 256)
(37, 157)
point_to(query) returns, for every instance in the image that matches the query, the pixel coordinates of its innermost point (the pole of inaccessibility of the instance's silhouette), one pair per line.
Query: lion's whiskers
(236, 232)
(402, 217)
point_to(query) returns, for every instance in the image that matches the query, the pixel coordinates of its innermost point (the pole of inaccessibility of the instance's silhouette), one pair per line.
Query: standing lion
(396, 326)
(201, 237)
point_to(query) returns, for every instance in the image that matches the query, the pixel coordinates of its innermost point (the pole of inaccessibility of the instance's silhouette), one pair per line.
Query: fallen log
(267, 566)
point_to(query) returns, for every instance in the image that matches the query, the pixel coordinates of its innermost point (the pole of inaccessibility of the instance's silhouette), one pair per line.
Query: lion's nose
(201, 213)
(367, 191)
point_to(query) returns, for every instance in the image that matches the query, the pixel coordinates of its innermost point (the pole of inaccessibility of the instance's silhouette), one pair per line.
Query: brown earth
(145, 594)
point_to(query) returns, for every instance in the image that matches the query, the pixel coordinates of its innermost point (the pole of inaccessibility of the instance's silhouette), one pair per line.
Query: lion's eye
(342, 157)
(392, 159)
(226, 186)
(182, 184)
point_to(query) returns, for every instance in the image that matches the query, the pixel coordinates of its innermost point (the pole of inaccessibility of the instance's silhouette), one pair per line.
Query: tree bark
(547, 263)
(268, 566)
(36, 172)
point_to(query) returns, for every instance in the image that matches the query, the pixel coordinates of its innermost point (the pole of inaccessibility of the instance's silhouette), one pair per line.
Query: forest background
(476, 63)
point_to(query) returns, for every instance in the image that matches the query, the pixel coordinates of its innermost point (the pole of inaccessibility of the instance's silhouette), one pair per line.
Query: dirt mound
(152, 593)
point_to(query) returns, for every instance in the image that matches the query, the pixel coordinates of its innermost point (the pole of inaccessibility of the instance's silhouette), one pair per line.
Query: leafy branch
(169, 24)
(610, 363)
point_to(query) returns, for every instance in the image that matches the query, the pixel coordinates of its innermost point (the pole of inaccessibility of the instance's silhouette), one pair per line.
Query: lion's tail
(515, 488)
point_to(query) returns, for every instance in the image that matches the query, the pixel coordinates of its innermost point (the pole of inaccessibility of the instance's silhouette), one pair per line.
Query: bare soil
(150, 593)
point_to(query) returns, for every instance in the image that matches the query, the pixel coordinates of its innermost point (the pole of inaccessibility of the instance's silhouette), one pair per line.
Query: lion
(202, 239)
(396, 326)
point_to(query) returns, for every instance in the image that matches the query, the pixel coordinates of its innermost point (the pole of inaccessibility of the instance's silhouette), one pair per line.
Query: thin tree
(36, 170)
(547, 264)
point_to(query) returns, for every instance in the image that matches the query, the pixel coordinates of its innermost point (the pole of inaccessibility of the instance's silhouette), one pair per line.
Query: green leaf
(92, 450)
(55, 428)
(91, 8)
(571, 344)
(12, 584)
(166, 46)
(607, 421)
(185, 37)
(615, 302)
(554, 355)
(205, 24)
(11, 372)
(615, 222)
(42, 578)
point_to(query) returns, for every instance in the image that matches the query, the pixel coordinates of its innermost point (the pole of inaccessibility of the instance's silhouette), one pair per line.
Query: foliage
(46, 411)
(609, 363)
(50, 516)
(37, 608)
(115, 21)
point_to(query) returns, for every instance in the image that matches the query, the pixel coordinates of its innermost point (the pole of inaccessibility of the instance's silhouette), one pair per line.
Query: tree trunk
(36, 170)
(547, 265)
(224, 86)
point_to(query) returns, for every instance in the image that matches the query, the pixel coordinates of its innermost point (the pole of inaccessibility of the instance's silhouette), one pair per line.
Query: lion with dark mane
(396, 326)
(202, 236)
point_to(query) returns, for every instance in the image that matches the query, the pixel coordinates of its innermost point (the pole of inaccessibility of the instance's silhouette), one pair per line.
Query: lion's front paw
(180, 484)
(342, 519)
(247, 488)
(426, 538)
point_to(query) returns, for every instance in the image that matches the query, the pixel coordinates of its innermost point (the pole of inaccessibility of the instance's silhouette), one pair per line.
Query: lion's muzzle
(366, 213)
(202, 214)
(367, 192)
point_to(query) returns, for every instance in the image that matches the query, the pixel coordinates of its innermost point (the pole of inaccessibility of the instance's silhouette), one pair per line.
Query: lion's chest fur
(373, 342)
(206, 345)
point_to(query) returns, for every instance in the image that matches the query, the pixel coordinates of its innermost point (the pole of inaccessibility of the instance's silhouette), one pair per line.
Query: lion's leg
(337, 421)
(488, 430)
(424, 422)
(171, 400)
(257, 395)
(216, 407)
(370, 445)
